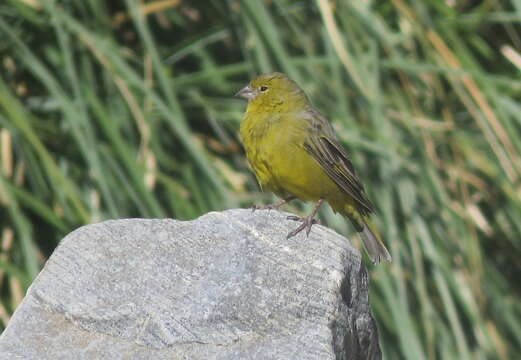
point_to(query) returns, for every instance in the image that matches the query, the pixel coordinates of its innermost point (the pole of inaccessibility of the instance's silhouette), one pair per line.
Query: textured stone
(228, 285)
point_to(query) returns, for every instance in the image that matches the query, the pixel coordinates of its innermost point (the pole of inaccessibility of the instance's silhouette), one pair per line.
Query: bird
(295, 153)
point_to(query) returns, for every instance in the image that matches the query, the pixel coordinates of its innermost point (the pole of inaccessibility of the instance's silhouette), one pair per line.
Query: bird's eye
(263, 88)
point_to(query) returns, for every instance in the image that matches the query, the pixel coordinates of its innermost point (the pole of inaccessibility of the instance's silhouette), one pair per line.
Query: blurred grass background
(125, 109)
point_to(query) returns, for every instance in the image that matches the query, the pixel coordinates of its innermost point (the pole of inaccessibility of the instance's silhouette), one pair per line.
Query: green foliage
(120, 109)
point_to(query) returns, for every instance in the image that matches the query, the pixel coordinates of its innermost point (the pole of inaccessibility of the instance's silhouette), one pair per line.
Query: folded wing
(324, 147)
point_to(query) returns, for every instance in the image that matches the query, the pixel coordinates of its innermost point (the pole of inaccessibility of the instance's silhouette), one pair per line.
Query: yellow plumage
(294, 152)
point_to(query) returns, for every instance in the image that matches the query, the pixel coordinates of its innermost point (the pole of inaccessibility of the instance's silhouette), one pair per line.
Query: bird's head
(273, 90)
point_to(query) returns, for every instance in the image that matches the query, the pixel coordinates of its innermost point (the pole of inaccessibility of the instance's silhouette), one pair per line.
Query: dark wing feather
(323, 145)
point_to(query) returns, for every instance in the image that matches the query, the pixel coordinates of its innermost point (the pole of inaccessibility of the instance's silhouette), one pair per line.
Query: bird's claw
(263, 207)
(303, 219)
(307, 223)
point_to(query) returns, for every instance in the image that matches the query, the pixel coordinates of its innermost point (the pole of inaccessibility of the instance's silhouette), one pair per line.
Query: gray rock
(228, 285)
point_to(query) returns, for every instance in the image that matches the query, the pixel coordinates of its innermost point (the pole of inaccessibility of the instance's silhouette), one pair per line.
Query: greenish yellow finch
(294, 152)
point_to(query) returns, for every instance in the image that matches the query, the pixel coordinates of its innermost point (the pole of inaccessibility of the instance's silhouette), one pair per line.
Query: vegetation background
(113, 109)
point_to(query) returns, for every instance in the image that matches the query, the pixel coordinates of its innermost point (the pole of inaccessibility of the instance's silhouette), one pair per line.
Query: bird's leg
(273, 206)
(307, 221)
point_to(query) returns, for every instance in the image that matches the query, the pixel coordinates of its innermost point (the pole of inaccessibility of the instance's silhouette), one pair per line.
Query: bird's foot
(272, 206)
(307, 223)
(265, 207)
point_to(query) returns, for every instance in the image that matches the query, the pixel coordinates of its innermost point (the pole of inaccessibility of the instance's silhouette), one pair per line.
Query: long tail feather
(373, 244)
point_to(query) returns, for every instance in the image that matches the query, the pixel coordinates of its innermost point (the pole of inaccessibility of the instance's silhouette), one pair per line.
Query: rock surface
(227, 285)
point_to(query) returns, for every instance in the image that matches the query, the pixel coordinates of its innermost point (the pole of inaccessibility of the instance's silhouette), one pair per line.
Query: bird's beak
(247, 92)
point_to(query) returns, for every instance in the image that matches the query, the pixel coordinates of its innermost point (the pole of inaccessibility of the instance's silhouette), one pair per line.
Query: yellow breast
(275, 151)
